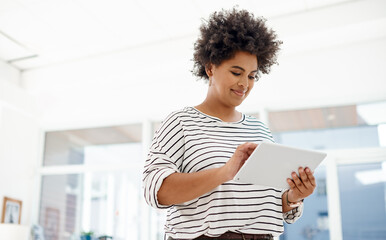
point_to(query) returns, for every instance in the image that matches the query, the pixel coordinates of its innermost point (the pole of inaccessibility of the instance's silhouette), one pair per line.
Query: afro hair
(227, 32)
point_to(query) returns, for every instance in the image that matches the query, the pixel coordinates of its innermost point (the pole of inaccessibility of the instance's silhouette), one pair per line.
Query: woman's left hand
(301, 186)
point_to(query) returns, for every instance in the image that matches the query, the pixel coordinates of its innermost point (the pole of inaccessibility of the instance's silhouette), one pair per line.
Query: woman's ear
(208, 70)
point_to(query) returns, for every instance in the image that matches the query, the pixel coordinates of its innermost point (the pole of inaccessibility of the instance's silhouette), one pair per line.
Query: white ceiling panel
(258, 7)
(20, 24)
(321, 3)
(125, 20)
(31, 63)
(9, 7)
(177, 18)
(11, 50)
(67, 25)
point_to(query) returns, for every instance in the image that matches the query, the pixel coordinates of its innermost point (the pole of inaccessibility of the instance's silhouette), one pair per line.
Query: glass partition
(67, 147)
(363, 200)
(102, 191)
(337, 128)
(60, 205)
(313, 225)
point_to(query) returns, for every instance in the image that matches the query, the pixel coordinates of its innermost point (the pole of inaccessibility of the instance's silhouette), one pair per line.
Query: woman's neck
(226, 114)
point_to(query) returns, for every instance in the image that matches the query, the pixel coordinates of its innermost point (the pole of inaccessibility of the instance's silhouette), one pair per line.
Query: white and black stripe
(190, 141)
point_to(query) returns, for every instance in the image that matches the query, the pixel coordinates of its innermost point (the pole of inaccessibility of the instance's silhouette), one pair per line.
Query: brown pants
(234, 236)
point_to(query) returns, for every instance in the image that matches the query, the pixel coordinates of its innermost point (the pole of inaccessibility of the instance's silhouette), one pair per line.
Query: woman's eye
(236, 74)
(252, 77)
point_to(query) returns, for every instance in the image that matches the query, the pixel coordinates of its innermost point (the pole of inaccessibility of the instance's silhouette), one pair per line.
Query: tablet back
(271, 164)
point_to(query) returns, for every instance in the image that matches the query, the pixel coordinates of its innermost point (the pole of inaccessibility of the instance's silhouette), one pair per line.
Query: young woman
(198, 150)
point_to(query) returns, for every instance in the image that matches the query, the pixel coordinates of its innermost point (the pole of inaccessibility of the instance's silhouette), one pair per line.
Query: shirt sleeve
(164, 158)
(293, 215)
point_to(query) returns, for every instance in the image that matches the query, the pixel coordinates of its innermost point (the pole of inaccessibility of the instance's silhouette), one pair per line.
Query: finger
(292, 184)
(250, 146)
(293, 187)
(304, 178)
(244, 150)
(297, 181)
(250, 151)
(311, 177)
(247, 148)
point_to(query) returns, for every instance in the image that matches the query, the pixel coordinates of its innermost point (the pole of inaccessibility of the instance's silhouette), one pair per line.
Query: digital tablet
(271, 164)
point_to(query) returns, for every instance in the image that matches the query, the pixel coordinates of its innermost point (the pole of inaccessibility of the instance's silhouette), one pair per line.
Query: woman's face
(232, 80)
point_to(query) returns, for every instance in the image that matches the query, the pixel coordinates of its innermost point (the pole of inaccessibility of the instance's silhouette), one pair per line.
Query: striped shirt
(190, 141)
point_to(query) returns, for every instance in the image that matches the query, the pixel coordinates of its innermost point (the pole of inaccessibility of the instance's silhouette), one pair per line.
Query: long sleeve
(164, 158)
(293, 215)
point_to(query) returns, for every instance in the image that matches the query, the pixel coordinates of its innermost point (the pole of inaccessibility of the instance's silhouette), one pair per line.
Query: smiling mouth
(239, 93)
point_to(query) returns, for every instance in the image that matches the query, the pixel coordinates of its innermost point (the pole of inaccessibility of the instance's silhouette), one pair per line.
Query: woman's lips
(239, 93)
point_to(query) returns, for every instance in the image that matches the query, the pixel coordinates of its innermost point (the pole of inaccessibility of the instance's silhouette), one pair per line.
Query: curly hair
(236, 30)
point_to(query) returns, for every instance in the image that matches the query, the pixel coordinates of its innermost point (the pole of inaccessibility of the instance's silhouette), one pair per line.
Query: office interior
(84, 84)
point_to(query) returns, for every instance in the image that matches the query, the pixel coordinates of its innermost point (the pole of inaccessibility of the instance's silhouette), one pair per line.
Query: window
(363, 200)
(91, 181)
(314, 222)
(337, 130)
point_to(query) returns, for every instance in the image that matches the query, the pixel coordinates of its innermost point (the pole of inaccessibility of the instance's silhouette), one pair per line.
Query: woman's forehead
(242, 59)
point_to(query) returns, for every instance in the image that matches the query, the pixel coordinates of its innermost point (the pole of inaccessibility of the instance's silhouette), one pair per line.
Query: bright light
(372, 176)
(373, 113)
(382, 135)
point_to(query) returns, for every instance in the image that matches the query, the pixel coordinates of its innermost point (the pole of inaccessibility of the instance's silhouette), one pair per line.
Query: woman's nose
(243, 82)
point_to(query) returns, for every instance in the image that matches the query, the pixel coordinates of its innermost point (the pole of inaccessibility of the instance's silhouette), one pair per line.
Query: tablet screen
(271, 164)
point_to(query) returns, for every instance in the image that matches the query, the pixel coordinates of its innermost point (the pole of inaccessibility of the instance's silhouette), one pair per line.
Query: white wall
(331, 56)
(19, 142)
(9, 74)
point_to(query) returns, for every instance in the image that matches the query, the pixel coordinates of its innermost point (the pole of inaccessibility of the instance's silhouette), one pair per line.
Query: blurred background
(84, 84)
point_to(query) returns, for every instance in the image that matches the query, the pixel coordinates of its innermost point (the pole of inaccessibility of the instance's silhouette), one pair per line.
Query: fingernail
(308, 170)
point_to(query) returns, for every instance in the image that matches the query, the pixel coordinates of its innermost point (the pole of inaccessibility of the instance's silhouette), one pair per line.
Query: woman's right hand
(238, 159)
(182, 187)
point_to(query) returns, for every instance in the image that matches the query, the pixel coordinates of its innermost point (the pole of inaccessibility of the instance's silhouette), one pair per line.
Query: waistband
(234, 236)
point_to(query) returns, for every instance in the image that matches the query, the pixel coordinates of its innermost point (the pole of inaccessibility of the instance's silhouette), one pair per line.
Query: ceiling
(38, 33)
(121, 61)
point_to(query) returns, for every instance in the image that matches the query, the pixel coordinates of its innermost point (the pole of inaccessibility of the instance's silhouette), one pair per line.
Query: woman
(198, 150)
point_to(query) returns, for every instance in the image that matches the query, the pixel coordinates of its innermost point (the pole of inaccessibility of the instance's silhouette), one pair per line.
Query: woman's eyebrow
(242, 69)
